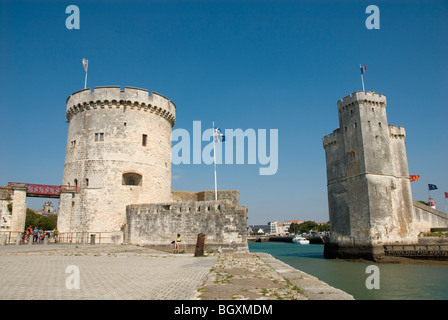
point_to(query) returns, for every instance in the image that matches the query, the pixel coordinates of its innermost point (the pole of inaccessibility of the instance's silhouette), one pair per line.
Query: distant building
(259, 229)
(47, 209)
(431, 203)
(287, 223)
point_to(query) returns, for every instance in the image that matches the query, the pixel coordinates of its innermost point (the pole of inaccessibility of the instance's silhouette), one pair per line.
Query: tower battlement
(114, 97)
(397, 132)
(370, 97)
(331, 139)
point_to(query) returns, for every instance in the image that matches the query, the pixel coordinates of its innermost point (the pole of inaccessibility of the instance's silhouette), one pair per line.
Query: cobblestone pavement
(108, 272)
(105, 272)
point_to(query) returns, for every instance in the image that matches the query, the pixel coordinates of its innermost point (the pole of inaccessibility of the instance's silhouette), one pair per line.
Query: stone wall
(426, 217)
(5, 213)
(157, 225)
(232, 196)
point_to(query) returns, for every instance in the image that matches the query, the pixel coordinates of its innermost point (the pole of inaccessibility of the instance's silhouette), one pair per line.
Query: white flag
(85, 64)
(218, 135)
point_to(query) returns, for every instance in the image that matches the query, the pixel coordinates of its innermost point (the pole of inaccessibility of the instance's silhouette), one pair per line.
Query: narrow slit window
(144, 140)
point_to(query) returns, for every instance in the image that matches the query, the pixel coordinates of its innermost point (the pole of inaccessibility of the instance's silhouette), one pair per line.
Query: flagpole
(362, 79)
(85, 80)
(214, 161)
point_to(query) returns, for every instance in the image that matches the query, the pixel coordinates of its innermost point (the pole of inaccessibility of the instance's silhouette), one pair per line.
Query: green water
(397, 281)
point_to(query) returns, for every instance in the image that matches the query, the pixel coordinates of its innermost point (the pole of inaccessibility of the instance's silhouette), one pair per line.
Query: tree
(293, 227)
(323, 227)
(304, 227)
(41, 222)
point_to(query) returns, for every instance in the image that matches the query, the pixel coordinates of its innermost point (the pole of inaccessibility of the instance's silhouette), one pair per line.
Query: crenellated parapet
(397, 132)
(193, 208)
(114, 97)
(370, 98)
(331, 139)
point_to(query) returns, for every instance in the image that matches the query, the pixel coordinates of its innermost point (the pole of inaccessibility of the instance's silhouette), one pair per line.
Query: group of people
(38, 235)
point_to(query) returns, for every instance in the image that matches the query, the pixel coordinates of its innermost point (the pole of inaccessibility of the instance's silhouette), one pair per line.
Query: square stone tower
(369, 193)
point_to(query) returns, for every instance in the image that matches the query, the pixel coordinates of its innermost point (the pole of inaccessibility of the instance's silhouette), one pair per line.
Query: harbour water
(397, 281)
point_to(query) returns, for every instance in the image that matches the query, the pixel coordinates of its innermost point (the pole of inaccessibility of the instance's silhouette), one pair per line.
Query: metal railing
(10, 237)
(84, 237)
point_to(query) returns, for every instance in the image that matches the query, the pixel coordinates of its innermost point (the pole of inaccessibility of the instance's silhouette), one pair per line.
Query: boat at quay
(314, 238)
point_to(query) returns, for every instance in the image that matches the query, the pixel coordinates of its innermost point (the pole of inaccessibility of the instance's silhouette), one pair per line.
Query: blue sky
(242, 64)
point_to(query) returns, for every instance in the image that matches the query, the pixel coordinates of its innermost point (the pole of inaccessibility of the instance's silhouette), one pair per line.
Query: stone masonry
(369, 191)
(223, 222)
(118, 153)
(119, 158)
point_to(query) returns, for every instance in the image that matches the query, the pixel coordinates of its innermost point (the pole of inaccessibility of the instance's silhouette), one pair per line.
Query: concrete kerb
(310, 286)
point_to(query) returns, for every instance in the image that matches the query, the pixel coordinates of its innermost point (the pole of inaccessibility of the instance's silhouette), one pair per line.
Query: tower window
(131, 179)
(99, 136)
(144, 140)
(379, 124)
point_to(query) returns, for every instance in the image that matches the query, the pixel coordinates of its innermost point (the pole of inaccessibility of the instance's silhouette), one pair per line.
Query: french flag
(363, 69)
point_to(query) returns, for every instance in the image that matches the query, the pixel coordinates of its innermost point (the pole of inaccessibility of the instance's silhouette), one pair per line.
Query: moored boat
(300, 240)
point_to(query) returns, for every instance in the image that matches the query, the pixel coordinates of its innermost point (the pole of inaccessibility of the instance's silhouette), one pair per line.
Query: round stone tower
(118, 153)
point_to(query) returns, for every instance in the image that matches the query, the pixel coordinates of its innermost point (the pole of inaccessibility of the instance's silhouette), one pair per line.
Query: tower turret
(118, 152)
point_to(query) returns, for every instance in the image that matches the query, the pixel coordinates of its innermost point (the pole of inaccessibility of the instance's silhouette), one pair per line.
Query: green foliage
(41, 222)
(308, 226)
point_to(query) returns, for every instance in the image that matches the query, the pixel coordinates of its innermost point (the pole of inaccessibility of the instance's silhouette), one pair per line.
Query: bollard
(46, 240)
(4, 236)
(200, 245)
(30, 239)
(19, 239)
(92, 239)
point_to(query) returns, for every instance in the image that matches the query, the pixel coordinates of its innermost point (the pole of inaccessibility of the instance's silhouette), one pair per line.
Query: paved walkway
(259, 276)
(108, 272)
(105, 272)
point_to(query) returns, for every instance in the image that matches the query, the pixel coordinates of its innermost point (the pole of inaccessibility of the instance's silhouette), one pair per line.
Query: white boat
(300, 240)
